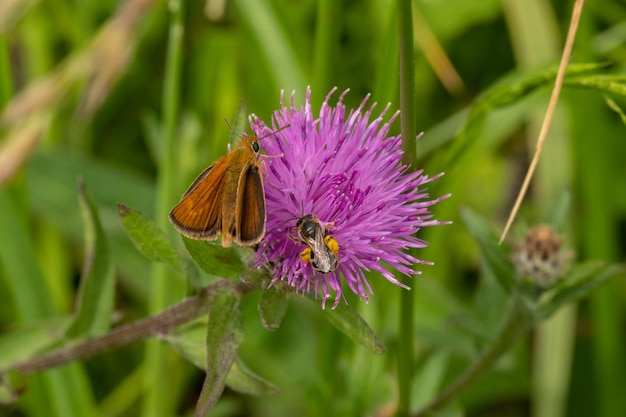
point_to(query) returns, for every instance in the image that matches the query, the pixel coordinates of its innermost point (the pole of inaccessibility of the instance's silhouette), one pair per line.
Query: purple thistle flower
(347, 172)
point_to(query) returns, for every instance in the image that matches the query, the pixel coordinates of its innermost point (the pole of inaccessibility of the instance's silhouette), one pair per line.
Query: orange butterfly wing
(250, 219)
(198, 215)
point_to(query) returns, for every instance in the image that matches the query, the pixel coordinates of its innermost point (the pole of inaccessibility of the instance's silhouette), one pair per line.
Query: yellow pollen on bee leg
(332, 244)
(305, 255)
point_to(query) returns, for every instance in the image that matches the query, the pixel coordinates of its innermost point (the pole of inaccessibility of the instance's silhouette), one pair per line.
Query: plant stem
(183, 312)
(554, 97)
(407, 109)
(407, 82)
(518, 321)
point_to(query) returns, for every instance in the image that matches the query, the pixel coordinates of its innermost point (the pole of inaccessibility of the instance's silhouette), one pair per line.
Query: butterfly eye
(255, 147)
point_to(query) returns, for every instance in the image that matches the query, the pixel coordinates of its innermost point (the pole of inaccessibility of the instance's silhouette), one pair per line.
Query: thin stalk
(183, 312)
(554, 98)
(554, 339)
(407, 112)
(165, 288)
(519, 320)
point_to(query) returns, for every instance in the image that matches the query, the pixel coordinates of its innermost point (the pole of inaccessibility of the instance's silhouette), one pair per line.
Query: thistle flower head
(541, 257)
(345, 170)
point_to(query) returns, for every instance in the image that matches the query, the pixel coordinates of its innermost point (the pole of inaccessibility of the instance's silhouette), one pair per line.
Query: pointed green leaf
(511, 89)
(224, 335)
(608, 83)
(349, 322)
(560, 208)
(256, 277)
(429, 378)
(616, 108)
(21, 273)
(273, 305)
(578, 283)
(214, 259)
(148, 238)
(468, 325)
(243, 380)
(239, 124)
(495, 255)
(94, 304)
(190, 341)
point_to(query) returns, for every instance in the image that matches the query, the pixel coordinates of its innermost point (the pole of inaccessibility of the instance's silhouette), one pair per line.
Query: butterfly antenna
(274, 132)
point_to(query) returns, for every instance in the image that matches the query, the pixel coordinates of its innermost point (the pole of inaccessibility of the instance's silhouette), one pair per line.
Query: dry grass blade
(436, 55)
(102, 62)
(567, 51)
(20, 143)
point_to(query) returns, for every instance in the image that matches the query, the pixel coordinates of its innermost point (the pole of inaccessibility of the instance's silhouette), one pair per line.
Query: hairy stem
(408, 130)
(519, 320)
(160, 323)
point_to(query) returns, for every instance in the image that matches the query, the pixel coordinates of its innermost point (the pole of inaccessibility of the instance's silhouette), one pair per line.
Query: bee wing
(198, 215)
(251, 215)
(323, 257)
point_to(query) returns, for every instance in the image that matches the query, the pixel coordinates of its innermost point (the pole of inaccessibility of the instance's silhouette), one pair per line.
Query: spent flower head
(541, 258)
(346, 170)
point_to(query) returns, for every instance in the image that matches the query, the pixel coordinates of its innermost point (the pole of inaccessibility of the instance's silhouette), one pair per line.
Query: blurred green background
(132, 95)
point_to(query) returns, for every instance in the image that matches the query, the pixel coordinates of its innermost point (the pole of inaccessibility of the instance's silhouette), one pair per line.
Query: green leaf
(512, 89)
(607, 83)
(214, 259)
(273, 305)
(349, 322)
(21, 274)
(224, 335)
(148, 238)
(94, 304)
(243, 380)
(429, 379)
(190, 341)
(616, 108)
(578, 283)
(560, 208)
(239, 124)
(469, 325)
(509, 90)
(495, 255)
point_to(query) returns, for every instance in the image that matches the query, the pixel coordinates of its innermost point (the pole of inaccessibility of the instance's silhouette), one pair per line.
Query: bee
(322, 249)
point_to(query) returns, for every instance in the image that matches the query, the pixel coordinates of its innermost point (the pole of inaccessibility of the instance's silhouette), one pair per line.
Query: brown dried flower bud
(540, 257)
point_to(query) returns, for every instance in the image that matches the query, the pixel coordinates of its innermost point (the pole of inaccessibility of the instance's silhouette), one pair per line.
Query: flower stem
(407, 110)
(518, 321)
(176, 315)
(407, 82)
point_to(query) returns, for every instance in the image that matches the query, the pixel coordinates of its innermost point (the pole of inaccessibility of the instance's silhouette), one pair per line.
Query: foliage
(89, 92)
